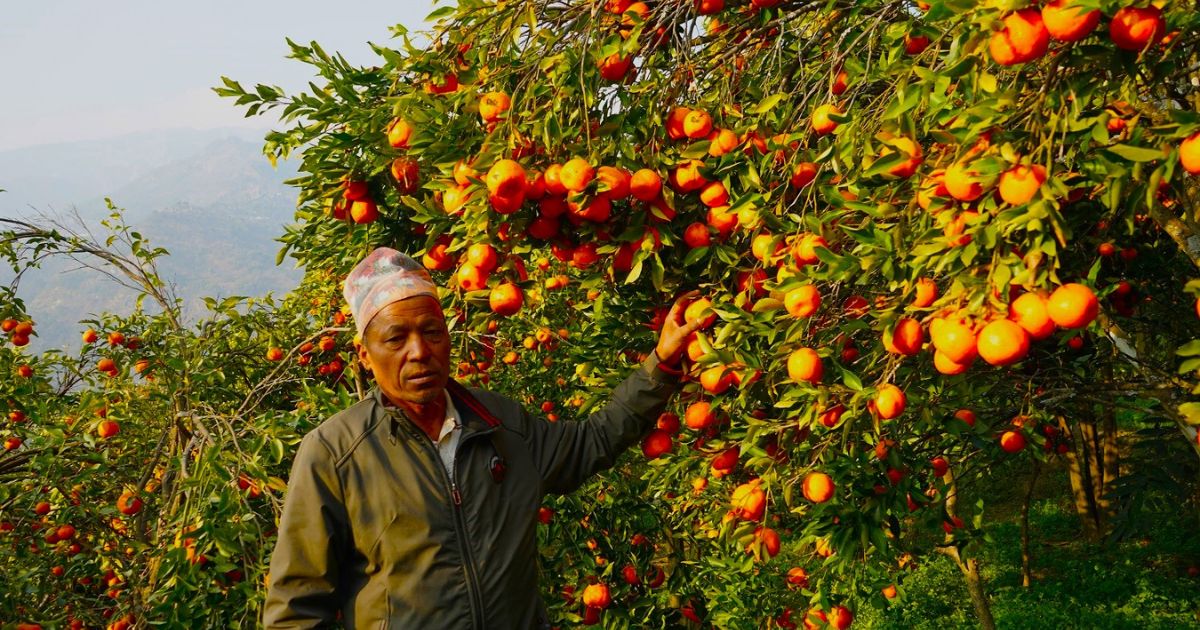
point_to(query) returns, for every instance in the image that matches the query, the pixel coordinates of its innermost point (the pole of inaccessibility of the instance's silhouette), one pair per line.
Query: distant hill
(209, 197)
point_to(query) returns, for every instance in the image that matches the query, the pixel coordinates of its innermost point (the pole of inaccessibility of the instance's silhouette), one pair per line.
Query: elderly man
(416, 507)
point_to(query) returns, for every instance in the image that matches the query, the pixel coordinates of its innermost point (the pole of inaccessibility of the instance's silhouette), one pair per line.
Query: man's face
(407, 346)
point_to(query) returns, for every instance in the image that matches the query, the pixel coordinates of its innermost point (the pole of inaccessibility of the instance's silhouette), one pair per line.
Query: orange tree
(934, 235)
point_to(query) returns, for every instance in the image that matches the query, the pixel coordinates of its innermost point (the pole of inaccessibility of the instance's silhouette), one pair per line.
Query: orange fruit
(945, 366)
(471, 278)
(645, 184)
(1023, 38)
(363, 212)
(908, 336)
(714, 194)
(696, 310)
(699, 416)
(821, 121)
(274, 354)
(454, 199)
(764, 247)
(656, 443)
(675, 123)
(1072, 306)
(1003, 342)
(697, 124)
(1135, 28)
(614, 181)
(804, 366)
(804, 248)
(749, 501)
(721, 141)
(954, 339)
(687, 177)
(106, 365)
(463, 173)
(1067, 22)
(962, 182)
(909, 147)
(506, 299)
(803, 174)
(709, 7)
(506, 178)
(840, 81)
(1020, 183)
(398, 134)
(889, 401)
(407, 174)
(614, 67)
(576, 174)
(966, 415)
(89, 335)
(1012, 441)
(716, 380)
(931, 189)
(596, 596)
(722, 220)
(802, 301)
(483, 256)
(818, 487)
(696, 235)
(915, 44)
(493, 105)
(926, 293)
(107, 429)
(598, 209)
(554, 184)
(1029, 312)
(955, 229)
(1189, 154)
(889, 591)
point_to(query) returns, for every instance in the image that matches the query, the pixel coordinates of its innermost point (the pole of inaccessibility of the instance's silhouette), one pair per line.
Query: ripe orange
(471, 278)
(656, 443)
(1072, 306)
(955, 229)
(953, 339)
(1012, 441)
(493, 105)
(764, 247)
(596, 596)
(697, 124)
(398, 133)
(926, 293)
(675, 123)
(554, 184)
(889, 591)
(699, 416)
(709, 7)
(613, 181)
(687, 177)
(1029, 312)
(108, 428)
(1020, 183)
(274, 354)
(908, 336)
(716, 380)
(721, 141)
(645, 184)
(696, 310)
(803, 174)
(889, 401)
(804, 366)
(821, 121)
(804, 248)
(966, 415)
(597, 209)
(1003, 342)
(696, 235)
(576, 174)
(722, 220)
(1067, 22)
(614, 67)
(407, 174)
(506, 178)
(1189, 154)
(463, 173)
(802, 301)
(437, 259)
(506, 299)
(1135, 28)
(483, 256)
(106, 365)
(945, 366)
(962, 182)
(818, 487)
(714, 194)
(840, 617)
(129, 503)
(840, 81)
(1023, 38)
(454, 199)
(749, 501)
(915, 44)
(909, 147)
(363, 212)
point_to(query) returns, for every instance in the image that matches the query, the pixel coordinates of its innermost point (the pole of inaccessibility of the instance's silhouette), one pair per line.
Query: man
(416, 507)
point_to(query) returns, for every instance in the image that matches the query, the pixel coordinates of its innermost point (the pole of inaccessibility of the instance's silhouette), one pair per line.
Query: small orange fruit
(1012, 441)
(398, 133)
(687, 176)
(926, 293)
(645, 185)
(1072, 306)
(1020, 183)
(699, 416)
(944, 365)
(506, 178)
(890, 401)
(803, 174)
(818, 487)
(908, 336)
(1003, 342)
(954, 339)
(493, 105)
(1135, 28)
(675, 123)
(962, 182)
(716, 380)
(802, 301)
(696, 310)
(714, 194)
(804, 366)
(697, 124)
(615, 182)
(1067, 22)
(821, 121)
(506, 299)
(1189, 154)
(576, 174)
(1029, 312)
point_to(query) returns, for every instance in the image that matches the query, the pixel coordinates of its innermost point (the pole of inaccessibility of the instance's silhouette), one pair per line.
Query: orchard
(935, 242)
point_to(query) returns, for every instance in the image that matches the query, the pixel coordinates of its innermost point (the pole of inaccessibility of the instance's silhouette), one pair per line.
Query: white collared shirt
(447, 441)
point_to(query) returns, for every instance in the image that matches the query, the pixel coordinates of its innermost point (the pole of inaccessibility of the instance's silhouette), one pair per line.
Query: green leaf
(767, 104)
(1190, 412)
(1135, 154)
(1189, 349)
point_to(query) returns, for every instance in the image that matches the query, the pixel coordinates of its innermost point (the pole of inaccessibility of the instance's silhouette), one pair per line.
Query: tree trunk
(1026, 556)
(1094, 465)
(969, 567)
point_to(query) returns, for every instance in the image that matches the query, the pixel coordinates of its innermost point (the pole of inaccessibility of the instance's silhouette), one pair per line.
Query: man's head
(403, 335)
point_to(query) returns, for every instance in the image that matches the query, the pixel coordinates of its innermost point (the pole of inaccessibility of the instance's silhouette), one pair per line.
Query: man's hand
(675, 330)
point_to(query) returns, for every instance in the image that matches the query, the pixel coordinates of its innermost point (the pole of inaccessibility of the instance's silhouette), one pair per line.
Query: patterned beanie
(383, 277)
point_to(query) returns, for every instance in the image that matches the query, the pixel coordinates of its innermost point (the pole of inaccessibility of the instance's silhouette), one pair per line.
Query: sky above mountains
(80, 69)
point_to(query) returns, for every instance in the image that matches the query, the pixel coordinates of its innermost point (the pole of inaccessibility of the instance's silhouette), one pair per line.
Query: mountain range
(208, 196)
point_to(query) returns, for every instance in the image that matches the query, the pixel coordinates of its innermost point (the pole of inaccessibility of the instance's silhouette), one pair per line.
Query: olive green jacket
(373, 527)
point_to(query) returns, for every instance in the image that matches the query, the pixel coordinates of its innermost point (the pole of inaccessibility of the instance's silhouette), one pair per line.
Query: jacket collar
(466, 405)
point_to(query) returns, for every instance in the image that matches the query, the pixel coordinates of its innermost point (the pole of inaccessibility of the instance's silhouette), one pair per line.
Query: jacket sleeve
(567, 453)
(313, 536)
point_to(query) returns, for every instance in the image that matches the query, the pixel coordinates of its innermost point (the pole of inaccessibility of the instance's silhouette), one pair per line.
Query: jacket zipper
(460, 524)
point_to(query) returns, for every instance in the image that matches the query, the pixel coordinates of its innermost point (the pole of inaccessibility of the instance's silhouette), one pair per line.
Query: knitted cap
(383, 277)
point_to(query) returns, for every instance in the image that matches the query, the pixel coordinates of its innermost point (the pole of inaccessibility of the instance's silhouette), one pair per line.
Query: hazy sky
(83, 69)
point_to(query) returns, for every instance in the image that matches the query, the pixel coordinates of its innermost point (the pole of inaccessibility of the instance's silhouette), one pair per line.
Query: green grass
(1141, 582)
